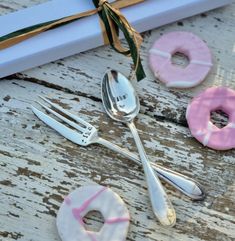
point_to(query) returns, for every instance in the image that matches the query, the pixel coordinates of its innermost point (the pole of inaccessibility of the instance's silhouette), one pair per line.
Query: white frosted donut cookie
(93, 198)
(160, 59)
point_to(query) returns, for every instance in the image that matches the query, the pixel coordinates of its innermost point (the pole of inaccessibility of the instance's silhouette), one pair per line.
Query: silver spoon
(122, 104)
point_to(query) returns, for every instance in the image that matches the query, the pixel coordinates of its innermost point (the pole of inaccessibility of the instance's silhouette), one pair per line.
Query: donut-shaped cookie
(88, 198)
(198, 117)
(200, 60)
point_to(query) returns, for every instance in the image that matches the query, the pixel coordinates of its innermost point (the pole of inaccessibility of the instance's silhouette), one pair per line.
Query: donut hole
(180, 60)
(93, 221)
(219, 118)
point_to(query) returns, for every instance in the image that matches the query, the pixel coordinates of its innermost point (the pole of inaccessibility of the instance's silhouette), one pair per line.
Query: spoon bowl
(119, 97)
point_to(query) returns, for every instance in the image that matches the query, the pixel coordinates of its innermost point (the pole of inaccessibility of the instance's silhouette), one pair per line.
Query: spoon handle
(161, 205)
(184, 184)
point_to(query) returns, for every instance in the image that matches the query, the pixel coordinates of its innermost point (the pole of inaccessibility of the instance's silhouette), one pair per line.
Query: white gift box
(85, 33)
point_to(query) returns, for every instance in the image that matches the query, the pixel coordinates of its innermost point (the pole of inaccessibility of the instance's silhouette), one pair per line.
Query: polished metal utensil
(85, 134)
(122, 104)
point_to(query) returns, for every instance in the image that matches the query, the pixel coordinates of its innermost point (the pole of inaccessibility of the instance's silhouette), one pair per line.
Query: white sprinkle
(160, 53)
(206, 139)
(210, 126)
(231, 125)
(181, 84)
(201, 63)
(200, 133)
(208, 135)
(187, 111)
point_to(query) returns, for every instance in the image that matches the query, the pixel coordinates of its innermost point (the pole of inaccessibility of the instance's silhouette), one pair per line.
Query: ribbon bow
(113, 21)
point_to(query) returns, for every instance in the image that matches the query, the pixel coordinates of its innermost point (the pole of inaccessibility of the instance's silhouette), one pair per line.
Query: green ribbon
(114, 21)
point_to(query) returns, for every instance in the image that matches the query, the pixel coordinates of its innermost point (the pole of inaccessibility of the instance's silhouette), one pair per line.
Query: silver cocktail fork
(84, 134)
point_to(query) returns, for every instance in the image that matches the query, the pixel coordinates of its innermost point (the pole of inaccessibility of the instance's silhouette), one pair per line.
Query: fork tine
(71, 123)
(72, 116)
(68, 133)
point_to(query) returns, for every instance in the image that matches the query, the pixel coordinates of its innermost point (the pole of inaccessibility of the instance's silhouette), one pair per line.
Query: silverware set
(122, 104)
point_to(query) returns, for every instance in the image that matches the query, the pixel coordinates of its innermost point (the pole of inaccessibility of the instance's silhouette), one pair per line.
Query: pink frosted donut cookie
(198, 117)
(200, 60)
(88, 198)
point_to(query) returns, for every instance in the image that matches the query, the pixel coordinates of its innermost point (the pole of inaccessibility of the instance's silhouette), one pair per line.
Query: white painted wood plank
(38, 167)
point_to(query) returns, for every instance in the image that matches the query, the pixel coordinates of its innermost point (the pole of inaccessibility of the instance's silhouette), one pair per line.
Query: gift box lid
(85, 33)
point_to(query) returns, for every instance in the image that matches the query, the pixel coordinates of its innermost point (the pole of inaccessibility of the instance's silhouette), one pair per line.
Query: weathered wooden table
(39, 167)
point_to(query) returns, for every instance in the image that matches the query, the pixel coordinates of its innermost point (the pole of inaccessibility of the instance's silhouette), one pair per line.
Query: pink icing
(117, 220)
(198, 117)
(187, 43)
(77, 211)
(77, 215)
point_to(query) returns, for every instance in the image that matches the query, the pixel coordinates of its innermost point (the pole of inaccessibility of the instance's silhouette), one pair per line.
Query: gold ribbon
(136, 36)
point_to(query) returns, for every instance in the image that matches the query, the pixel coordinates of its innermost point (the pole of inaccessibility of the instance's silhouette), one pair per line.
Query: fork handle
(184, 184)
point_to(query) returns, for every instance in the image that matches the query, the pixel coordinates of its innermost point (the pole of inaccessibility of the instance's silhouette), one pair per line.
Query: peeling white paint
(39, 167)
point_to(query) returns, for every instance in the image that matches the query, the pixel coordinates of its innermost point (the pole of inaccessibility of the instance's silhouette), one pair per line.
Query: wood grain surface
(39, 167)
